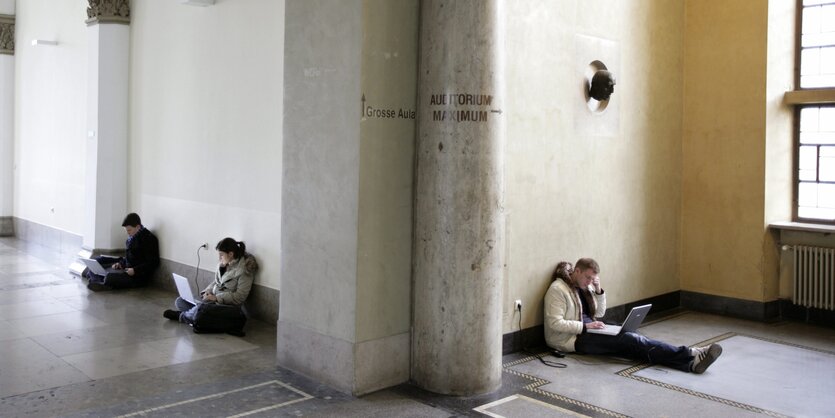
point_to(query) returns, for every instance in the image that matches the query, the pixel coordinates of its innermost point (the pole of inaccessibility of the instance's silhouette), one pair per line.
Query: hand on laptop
(130, 271)
(595, 325)
(117, 266)
(209, 297)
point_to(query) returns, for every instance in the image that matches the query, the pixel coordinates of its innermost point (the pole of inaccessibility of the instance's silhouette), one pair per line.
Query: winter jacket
(233, 285)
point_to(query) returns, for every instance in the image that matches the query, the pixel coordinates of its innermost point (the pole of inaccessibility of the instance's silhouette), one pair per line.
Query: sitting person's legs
(638, 347)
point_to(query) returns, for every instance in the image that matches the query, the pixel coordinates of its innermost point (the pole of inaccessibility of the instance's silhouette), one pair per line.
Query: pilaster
(7, 92)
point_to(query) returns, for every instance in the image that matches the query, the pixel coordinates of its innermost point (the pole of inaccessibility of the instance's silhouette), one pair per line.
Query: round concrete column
(456, 346)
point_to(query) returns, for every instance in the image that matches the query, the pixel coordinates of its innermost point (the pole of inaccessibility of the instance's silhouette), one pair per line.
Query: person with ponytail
(574, 303)
(233, 280)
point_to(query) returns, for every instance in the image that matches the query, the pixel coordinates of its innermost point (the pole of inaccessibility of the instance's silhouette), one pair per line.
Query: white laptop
(96, 267)
(632, 322)
(183, 288)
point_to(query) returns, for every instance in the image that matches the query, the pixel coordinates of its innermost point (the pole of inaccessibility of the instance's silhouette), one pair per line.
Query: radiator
(814, 277)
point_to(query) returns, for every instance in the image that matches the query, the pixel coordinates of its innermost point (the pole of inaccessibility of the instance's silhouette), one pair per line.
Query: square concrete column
(107, 125)
(349, 121)
(6, 121)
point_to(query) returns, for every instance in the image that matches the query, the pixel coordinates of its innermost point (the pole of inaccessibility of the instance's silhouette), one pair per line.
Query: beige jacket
(563, 315)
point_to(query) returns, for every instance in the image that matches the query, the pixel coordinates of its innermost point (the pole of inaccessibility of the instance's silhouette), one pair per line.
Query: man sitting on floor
(136, 267)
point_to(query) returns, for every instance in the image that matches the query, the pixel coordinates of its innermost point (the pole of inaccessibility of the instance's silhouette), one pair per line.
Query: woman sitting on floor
(223, 298)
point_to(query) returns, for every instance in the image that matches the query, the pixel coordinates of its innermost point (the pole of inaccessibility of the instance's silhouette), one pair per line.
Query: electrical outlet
(518, 304)
(205, 246)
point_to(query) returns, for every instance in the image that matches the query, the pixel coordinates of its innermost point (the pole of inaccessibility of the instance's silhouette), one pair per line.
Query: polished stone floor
(65, 351)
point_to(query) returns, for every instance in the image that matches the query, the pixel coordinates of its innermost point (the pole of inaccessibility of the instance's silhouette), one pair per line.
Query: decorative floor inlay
(765, 376)
(523, 406)
(586, 409)
(260, 397)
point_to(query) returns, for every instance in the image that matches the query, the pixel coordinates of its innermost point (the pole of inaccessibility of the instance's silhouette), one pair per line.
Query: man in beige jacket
(576, 300)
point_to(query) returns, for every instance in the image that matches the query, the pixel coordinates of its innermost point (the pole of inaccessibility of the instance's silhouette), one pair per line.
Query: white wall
(50, 110)
(205, 145)
(6, 133)
(7, 7)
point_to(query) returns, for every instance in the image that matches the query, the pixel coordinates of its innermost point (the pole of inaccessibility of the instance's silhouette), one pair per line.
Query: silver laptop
(632, 322)
(183, 288)
(96, 267)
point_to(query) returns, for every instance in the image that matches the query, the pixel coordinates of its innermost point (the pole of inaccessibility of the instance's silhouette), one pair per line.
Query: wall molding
(7, 25)
(108, 11)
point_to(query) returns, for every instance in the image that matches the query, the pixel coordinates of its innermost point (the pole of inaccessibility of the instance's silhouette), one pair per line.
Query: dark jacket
(142, 254)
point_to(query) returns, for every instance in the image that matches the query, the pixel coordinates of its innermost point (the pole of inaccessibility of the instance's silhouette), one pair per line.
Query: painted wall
(779, 137)
(724, 239)
(50, 113)
(581, 184)
(205, 144)
(7, 63)
(7, 7)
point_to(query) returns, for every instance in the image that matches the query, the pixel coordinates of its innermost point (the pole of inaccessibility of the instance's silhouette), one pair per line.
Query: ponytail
(229, 245)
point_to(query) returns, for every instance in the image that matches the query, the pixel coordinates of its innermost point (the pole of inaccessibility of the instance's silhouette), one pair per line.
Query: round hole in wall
(595, 105)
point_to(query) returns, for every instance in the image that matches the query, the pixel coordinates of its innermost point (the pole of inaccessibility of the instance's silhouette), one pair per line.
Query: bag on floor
(214, 317)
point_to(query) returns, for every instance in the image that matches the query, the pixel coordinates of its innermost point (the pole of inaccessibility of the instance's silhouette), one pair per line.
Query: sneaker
(171, 314)
(703, 357)
(98, 287)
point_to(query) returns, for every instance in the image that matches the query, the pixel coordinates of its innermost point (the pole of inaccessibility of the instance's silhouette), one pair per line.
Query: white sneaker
(703, 357)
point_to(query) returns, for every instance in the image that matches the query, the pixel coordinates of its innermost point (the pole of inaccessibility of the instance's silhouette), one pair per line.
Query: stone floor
(65, 351)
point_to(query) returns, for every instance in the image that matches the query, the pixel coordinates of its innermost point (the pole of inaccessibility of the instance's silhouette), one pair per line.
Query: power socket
(519, 305)
(205, 246)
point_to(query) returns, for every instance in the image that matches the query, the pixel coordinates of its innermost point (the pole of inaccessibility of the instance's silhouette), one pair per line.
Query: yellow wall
(726, 249)
(578, 184)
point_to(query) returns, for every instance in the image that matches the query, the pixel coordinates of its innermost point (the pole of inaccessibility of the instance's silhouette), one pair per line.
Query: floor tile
(117, 361)
(49, 324)
(13, 297)
(26, 267)
(9, 332)
(33, 309)
(112, 336)
(26, 366)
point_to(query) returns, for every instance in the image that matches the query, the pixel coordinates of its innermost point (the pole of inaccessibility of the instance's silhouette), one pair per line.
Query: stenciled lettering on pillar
(6, 34)
(461, 107)
(108, 11)
(370, 112)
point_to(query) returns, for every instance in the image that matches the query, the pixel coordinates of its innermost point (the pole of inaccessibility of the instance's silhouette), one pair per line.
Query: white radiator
(814, 277)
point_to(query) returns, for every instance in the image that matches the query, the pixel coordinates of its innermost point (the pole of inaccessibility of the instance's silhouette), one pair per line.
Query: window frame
(801, 98)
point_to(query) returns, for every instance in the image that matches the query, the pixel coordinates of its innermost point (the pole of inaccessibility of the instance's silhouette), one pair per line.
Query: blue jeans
(637, 347)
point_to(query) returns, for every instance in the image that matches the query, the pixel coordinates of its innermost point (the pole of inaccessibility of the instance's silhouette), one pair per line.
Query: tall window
(815, 100)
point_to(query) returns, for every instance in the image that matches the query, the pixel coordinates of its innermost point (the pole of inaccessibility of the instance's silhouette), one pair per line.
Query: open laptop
(96, 267)
(632, 322)
(183, 288)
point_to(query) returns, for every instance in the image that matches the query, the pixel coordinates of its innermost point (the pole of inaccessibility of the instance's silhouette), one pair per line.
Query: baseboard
(727, 306)
(813, 316)
(46, 236)
(6, 226)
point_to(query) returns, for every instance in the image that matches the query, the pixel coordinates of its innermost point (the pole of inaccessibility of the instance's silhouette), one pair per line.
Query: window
(815, 101)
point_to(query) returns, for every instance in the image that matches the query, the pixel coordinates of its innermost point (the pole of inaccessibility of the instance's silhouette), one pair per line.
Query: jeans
(637, 347)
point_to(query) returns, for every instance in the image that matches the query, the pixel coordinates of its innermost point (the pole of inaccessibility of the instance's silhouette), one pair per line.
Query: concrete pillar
(7, 40)
(349, 123)
(457, 335)
(107, 124)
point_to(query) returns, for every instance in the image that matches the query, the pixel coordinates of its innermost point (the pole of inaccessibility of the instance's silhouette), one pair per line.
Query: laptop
(96, 267)
(632, 322)
(184, 289)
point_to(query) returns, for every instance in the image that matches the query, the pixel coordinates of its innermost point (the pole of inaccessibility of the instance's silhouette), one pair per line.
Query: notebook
(184, 289)
(632, 322)
(96, 267)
